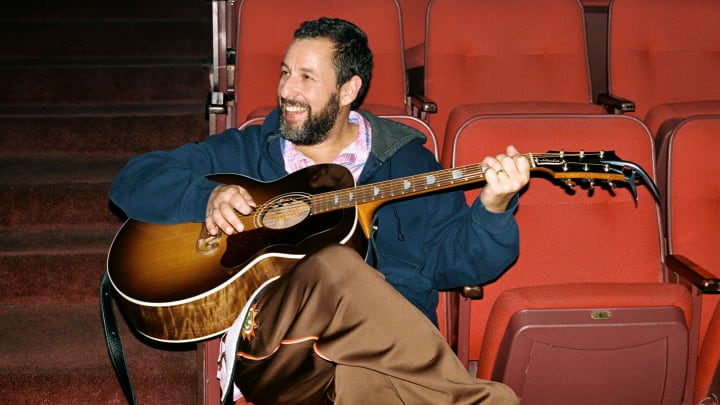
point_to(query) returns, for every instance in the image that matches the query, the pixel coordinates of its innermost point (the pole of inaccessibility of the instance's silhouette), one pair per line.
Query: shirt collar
(353, 156)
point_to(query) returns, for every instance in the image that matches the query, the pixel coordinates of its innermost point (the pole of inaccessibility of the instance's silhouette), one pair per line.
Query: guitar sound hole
(286, 211)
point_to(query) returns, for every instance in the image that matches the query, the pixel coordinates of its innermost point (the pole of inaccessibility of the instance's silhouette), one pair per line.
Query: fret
(457, 174)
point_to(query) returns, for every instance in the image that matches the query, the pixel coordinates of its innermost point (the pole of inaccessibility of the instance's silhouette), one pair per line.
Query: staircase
(84, 86)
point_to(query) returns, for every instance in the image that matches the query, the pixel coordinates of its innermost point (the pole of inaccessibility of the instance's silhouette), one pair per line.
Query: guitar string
(400, 187)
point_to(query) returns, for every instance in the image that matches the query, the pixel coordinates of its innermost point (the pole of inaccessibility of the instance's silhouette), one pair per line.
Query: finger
(221, 223)
(515, 165)
(508, 165)
(243, 202)
(523, 166)
(210, 225)
(491, 164)
(491, 175)
(232, 222)
(520, 164)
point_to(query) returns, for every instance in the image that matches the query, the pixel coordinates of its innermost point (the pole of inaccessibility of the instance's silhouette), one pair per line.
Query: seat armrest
(615, 104)
(472, 292)
(216, 103)
(422, 104)
(697, 275)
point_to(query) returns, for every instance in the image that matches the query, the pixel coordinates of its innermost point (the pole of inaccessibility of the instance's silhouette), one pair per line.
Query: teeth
(294, 109)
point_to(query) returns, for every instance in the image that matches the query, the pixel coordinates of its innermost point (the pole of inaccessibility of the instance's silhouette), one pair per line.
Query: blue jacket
(423, 244)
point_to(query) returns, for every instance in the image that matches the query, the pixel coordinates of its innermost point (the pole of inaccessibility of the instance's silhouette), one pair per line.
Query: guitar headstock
(587, 167)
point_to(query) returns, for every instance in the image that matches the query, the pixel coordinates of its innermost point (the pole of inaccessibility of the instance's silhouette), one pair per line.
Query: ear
(349, 90)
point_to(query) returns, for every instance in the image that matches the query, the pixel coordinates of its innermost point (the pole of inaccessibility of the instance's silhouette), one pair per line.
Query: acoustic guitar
(177, 283)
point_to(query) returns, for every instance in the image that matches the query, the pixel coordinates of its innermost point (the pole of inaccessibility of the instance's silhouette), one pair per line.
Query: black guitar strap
(112, 338)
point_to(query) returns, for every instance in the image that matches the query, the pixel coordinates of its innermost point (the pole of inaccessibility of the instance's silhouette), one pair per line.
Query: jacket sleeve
(474, 247)
(170, 186)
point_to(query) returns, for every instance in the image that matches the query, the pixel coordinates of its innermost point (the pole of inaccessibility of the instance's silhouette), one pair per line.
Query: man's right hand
(223, 206)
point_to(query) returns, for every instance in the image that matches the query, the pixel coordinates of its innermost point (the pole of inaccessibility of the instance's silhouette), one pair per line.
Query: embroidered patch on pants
(249, 324)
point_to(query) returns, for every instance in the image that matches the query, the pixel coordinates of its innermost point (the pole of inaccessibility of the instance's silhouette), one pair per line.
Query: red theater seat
(512, 56)
(663, 55)
(265, 28)
(586, 314)
(692, 222)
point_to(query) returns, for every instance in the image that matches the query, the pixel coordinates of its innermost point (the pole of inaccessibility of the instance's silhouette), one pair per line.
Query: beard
(316, 127)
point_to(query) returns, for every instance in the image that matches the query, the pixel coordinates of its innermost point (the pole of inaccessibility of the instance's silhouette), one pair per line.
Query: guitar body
(177, 283)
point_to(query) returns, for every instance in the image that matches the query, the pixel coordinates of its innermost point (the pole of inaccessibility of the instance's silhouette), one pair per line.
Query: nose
(287, 86)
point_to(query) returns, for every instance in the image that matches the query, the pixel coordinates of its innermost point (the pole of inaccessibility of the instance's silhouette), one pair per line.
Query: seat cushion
(591, 296)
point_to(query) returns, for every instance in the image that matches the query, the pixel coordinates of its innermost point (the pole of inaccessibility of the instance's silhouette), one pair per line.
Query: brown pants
(333, 329)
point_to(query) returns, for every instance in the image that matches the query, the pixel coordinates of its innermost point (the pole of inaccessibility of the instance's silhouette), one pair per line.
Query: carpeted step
(34, 86)
(110, 40)
(52, 241)
(56, 205)
(100, 131)
(64, 171)
(41, 276)
(58, 356)
(104, 10)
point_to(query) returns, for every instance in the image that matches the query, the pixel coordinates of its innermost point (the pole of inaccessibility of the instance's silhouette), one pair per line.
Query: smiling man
(340, 326)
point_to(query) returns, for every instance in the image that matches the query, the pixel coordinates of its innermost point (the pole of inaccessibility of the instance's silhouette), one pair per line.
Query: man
(333, 328)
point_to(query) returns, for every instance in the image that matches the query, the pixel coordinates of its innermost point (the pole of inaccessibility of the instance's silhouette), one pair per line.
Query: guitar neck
(403, 187)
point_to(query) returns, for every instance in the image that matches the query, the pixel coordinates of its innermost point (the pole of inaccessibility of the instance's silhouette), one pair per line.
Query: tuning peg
(610, 184)
(569, 183)
(588, 183)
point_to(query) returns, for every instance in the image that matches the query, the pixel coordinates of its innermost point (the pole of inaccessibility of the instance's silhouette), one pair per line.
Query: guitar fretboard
(399, 188)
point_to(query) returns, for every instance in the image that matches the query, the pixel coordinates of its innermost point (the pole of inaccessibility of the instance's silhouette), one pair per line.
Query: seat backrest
(265, 29)
(487, 51)
(569, 238)
(663, 51)
(413, 14)
(691, 201)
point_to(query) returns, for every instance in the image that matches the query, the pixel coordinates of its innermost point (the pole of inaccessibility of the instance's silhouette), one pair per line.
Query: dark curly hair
(351, 57)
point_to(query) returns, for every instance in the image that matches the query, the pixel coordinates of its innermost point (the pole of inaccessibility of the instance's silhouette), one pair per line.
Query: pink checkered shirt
(352, 157)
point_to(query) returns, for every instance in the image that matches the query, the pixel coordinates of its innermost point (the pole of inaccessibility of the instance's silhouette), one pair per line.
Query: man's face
(308, 92)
